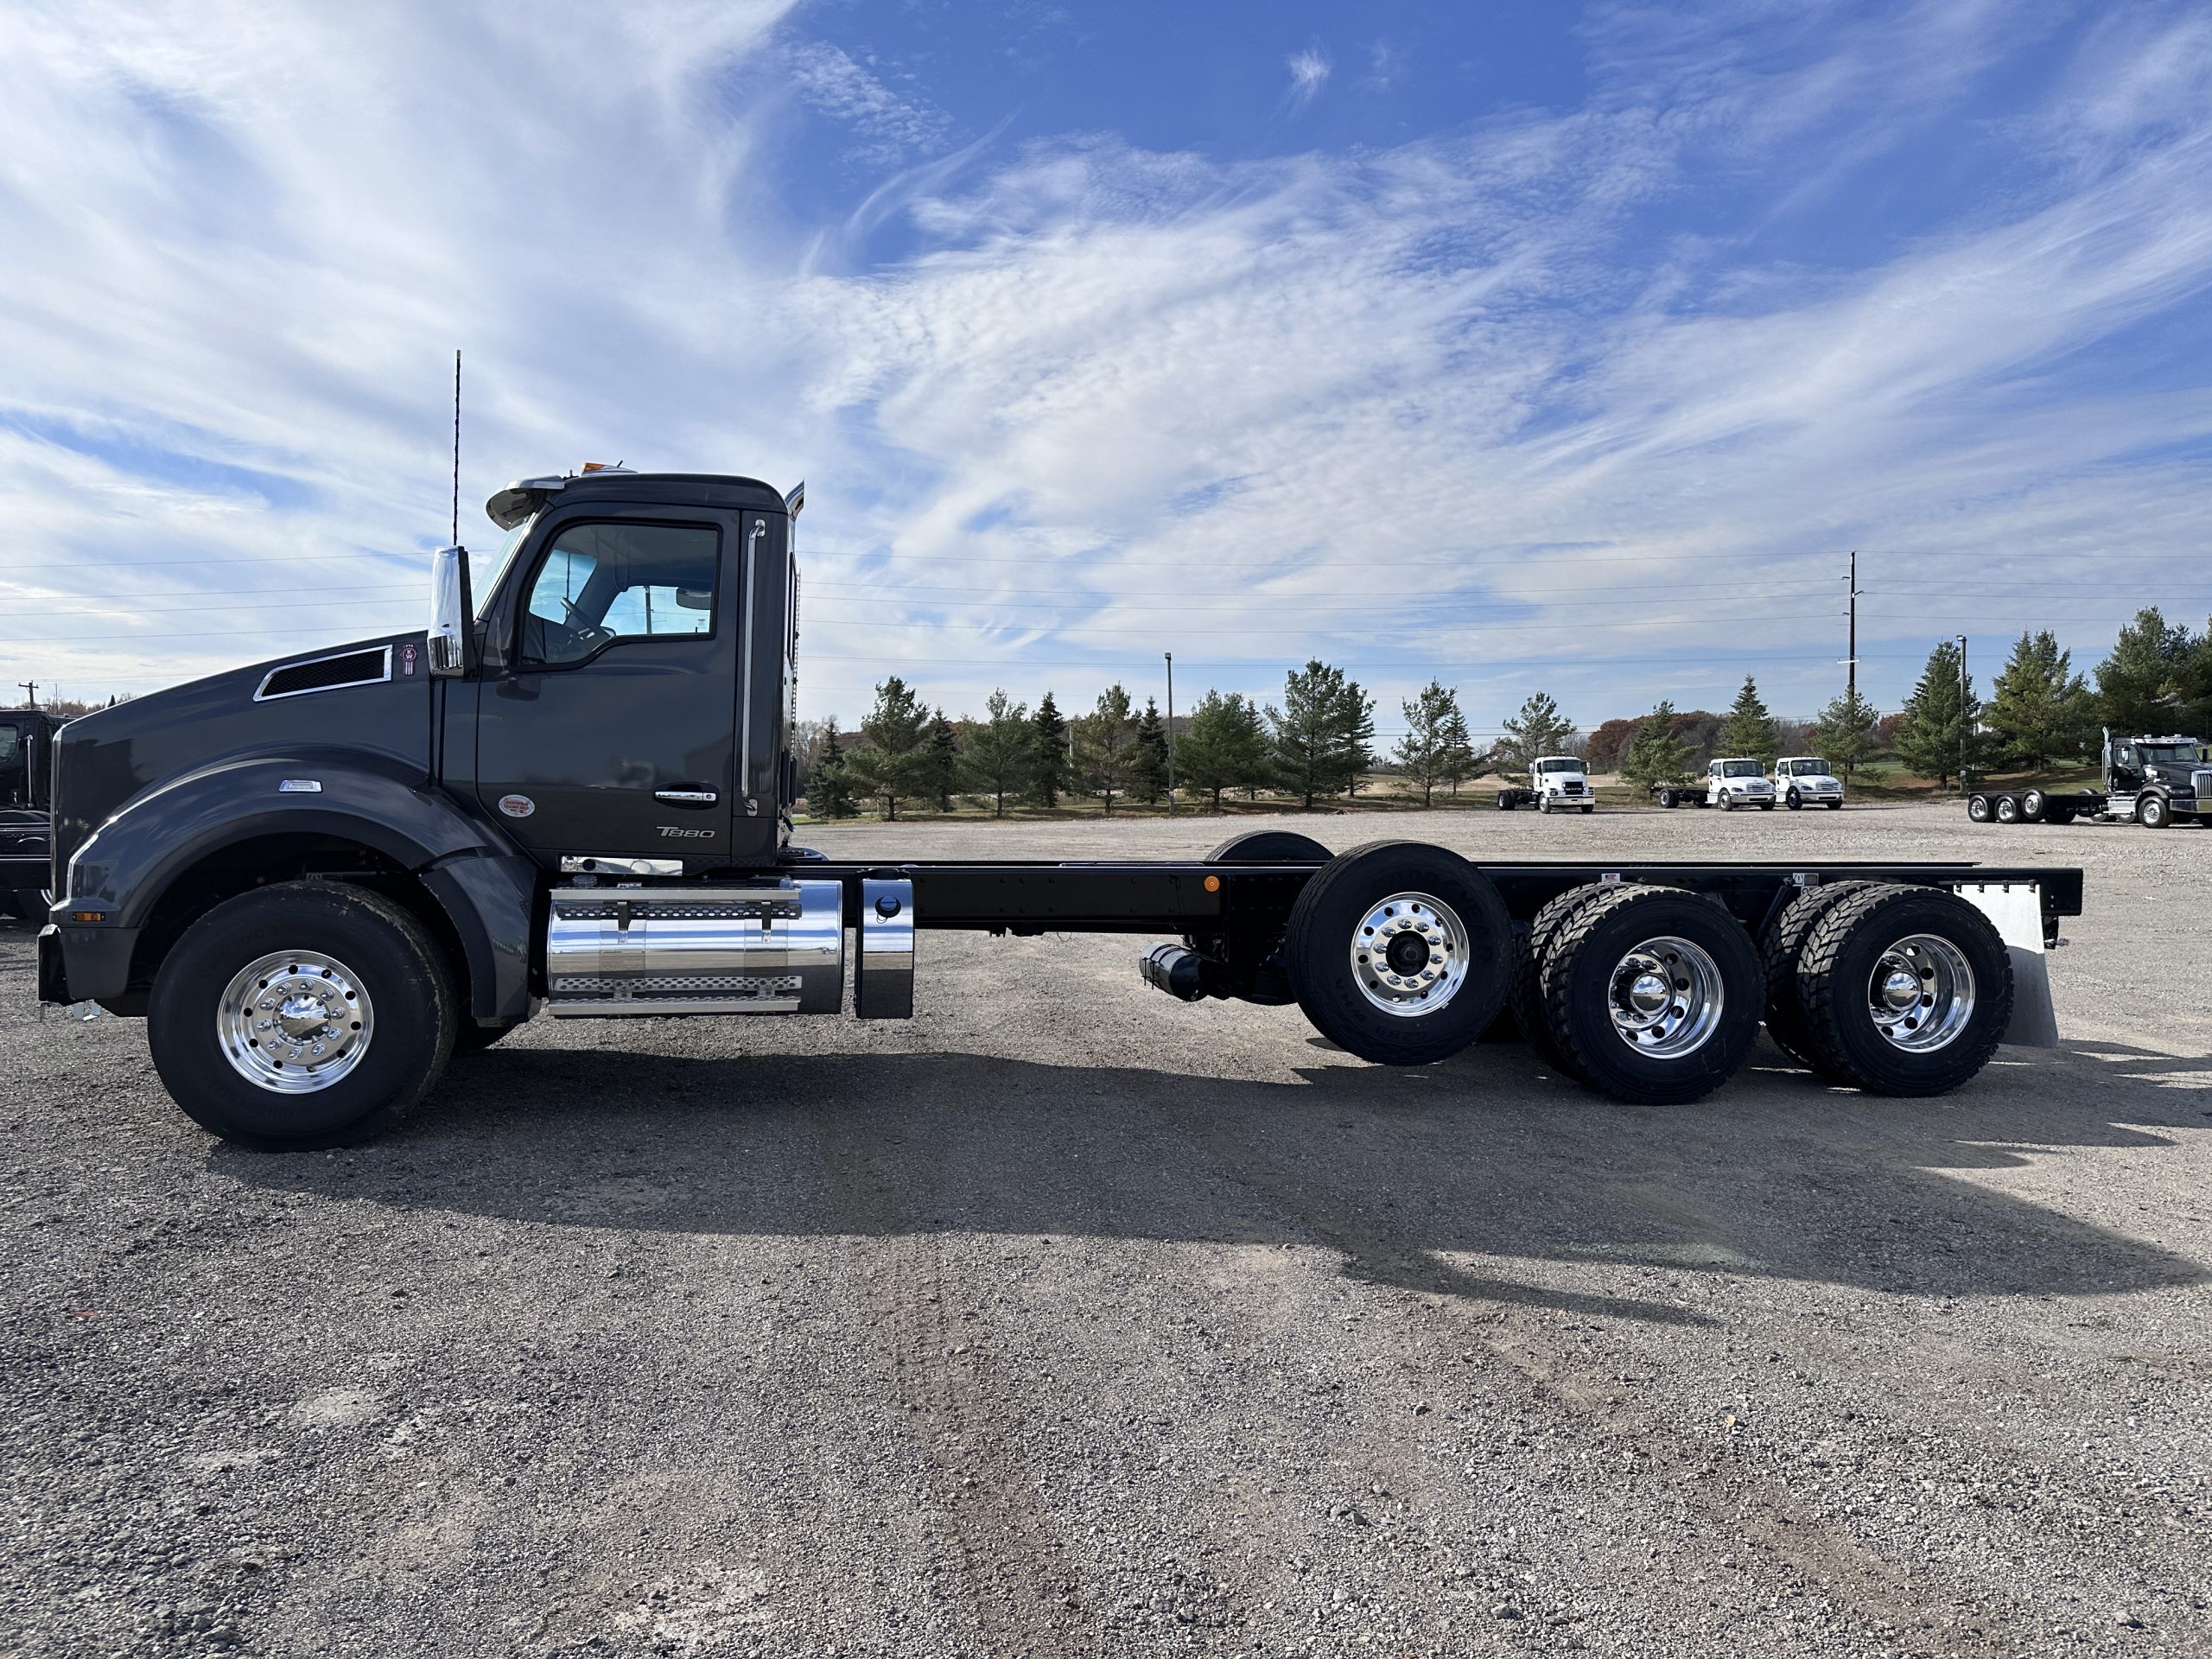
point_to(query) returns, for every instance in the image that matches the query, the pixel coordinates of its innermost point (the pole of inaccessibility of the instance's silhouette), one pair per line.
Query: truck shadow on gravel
(1409, 1173)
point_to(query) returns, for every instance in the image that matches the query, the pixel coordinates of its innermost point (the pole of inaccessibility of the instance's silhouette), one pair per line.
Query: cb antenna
(456, 450)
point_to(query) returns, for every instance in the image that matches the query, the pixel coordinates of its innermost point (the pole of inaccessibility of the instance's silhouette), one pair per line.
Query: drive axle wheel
(1978, 808)
(1399, 952)
(1785, 1015)
(2008, 809)
(300, 1015)
(2033, 805)
(1525, 998)
(1653, 993)
(1905, 990)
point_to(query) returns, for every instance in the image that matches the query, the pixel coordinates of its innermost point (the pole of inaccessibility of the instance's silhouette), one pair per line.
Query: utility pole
(1850, 660)
(1963, 716)
(1170, 655)
(31, 686)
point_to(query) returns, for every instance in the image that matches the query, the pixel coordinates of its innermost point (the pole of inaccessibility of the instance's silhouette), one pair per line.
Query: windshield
(1558, 766)
(1740, 769)
(1806, 768)
(2181, 754)
(486, 586)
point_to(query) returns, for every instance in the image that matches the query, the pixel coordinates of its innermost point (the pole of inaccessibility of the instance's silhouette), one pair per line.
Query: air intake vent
(326, 674)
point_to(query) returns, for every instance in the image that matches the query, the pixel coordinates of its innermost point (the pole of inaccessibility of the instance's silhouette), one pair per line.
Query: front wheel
(1833, 806)
(1587, 810)
(1399, 952)
(1794, 802)
(301, 1015)
(2152, 812)
(1766, 806)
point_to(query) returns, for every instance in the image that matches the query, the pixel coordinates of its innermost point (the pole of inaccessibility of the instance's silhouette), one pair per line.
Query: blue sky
(1520, 344)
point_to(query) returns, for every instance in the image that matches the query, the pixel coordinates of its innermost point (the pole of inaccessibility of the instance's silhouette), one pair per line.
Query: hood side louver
(326, 674)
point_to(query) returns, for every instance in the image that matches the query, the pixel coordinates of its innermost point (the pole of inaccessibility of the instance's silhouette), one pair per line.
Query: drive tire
(1835, 971)
(1328, 917)
(1580, 977)
(2008, 809)
(1784, 943)
(1504, 800)
(2035, 806)
(1978, 808)
(2152, 812)
(401, 971)
(1666, 799)
(1833, 806)
(1525, 997)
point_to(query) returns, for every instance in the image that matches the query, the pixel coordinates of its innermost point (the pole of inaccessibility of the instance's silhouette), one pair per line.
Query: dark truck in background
(318, 877)
(2152, 781)
(25, 825)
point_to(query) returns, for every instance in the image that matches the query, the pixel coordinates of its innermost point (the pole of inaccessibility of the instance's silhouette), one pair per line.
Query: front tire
(1794, 802)
(301, 1015)
(1653, 994)
(2152, 812)
(1399, 952)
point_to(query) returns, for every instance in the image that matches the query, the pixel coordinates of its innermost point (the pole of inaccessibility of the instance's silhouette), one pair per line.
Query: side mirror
(695, 599)
(452, 626)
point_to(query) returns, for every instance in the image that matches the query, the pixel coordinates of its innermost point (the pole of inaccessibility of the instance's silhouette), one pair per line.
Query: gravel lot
(1066, 1319)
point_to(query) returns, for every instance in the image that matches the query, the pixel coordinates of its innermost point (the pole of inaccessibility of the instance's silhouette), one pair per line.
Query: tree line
(1317, 742)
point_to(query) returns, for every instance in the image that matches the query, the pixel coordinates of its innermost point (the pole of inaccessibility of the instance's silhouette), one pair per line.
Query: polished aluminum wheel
(295, 1022)
(1410, 954)
(1920, 993)
(1666, 997)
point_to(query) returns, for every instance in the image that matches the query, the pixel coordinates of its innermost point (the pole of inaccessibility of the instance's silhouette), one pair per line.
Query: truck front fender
(127, 865)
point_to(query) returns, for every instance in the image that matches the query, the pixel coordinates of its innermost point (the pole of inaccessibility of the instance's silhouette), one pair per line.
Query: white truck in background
(1806, 780)
(1728, 784)
(1557, 783)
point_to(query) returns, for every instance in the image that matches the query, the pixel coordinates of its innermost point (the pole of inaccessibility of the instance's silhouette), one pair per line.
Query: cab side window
(601, 584)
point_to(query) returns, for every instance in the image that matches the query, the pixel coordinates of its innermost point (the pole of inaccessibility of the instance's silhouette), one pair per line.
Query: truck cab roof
(525, 496)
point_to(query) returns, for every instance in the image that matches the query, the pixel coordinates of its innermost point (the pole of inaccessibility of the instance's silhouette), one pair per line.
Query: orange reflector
(88, 916)
(1213, 884)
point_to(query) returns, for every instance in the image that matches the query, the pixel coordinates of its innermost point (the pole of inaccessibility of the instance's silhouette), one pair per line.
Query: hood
(374, 694)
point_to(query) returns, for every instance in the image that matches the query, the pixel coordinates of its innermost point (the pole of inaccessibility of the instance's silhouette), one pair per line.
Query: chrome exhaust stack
(775, 948)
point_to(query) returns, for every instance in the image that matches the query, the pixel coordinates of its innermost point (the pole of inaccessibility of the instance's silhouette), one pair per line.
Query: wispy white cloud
(1309, 72)
(1428, 409)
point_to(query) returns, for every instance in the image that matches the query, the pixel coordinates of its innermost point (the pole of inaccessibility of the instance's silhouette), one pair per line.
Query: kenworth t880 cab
(316, 878)
(1557, 783)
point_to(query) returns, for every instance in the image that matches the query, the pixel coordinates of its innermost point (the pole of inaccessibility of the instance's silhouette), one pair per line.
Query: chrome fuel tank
(771, 948)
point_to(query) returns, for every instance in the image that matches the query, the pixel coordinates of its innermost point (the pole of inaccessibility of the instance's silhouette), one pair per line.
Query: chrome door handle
(686, 797)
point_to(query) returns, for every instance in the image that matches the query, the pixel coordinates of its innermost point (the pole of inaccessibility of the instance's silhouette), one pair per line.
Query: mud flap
(2015, 910)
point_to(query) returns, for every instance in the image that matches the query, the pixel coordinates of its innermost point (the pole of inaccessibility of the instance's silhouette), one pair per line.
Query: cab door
(609, 726)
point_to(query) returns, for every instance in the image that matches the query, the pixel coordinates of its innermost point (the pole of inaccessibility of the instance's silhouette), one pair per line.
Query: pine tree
(1224, 747)
(1426, 752)
(1048, 751)
(1655, 754)
(944, 761)
(1148, 765)
(2135, 693)
(2040, 709)
(894, 762)
(1105, 747)
(1462, 760)
(1844, 736)
(998, 754)
(1538, 729)
(1321, 731)
(829, 782)
(1930, 725)
(1749, 727)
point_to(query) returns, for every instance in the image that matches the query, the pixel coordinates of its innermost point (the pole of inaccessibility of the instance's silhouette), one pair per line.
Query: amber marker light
(1213, 884)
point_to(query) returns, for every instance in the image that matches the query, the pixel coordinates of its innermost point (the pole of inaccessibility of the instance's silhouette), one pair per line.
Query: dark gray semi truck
(2154, 781)
(318, 878)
